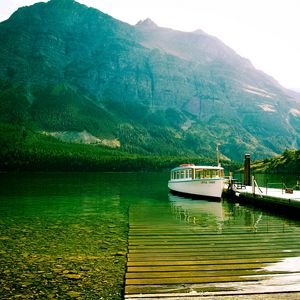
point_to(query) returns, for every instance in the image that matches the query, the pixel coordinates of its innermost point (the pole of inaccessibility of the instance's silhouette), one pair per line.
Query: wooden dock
(283, 198)
(177, 254)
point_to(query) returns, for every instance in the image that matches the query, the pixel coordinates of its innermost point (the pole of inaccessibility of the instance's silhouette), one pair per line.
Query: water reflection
(225, 215)
(197, 208)
(206, 214)
(212, 247)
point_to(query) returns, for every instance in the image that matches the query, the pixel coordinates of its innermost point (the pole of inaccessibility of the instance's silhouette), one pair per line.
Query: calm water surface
(65, 235)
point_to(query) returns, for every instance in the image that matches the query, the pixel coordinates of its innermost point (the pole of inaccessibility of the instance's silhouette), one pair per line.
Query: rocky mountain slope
(67, 68)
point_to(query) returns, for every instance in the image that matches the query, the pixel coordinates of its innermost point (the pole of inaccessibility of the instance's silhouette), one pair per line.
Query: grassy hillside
(288, 162)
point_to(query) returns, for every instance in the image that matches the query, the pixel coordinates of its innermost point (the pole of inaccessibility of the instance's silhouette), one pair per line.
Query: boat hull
(202, 188)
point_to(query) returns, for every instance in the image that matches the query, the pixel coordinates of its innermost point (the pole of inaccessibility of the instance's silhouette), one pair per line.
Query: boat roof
(191, 166)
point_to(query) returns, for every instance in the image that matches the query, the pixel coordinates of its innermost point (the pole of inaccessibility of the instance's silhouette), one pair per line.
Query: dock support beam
(247, 169)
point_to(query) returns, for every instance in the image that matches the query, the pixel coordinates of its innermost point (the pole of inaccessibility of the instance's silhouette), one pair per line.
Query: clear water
(65, 235)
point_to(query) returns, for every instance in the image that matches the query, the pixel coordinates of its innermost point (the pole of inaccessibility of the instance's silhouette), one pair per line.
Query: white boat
(201, 181)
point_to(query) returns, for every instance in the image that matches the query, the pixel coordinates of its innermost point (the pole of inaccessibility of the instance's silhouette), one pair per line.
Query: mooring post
(253, 184)
(247, 169)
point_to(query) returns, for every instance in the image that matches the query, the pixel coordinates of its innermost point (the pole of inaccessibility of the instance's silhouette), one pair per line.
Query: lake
(65, 235)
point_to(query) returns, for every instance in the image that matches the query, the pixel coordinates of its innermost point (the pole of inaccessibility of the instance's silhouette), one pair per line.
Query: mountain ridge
(143, 85)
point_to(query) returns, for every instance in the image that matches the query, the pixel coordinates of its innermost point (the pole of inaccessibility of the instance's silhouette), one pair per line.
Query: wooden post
(247, 170)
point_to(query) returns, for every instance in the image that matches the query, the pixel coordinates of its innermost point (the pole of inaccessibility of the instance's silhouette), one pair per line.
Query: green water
(64, 236)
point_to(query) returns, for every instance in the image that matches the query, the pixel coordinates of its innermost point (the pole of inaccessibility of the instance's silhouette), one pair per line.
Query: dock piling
(247, 169)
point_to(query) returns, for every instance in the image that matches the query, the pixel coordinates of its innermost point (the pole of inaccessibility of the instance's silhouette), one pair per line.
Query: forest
(288, 162)
(22, 149)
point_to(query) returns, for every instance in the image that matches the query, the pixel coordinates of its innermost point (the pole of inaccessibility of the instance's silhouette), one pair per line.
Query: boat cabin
(190, 172)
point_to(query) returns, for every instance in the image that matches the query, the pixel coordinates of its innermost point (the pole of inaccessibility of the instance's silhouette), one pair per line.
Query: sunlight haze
(264, 31)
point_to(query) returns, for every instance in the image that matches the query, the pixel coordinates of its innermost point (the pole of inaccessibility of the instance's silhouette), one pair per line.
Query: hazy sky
(264, 31)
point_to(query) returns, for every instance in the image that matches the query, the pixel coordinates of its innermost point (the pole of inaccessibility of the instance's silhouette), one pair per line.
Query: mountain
(68, 70)
(286, 163)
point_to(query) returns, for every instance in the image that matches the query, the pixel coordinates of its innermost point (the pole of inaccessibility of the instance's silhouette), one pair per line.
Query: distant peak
(200, 32)
(148, 23)
(61, 3)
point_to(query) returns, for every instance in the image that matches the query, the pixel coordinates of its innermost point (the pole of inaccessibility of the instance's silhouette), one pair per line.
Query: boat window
(199, 174)
(206, 174)
(215, 173)
(182, 174)
(177, 175)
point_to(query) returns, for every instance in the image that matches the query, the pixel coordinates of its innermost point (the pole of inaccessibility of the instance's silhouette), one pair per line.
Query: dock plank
(184, 249)
(189, 280)
(203, 262)
(177, 257)
(197, 256)
(202, 273)
(191, 268)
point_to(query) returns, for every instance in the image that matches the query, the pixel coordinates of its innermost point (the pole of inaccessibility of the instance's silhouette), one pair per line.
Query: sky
(264, 31)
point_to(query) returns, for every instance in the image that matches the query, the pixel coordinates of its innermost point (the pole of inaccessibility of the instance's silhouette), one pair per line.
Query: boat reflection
(207, 214)
(225, 217)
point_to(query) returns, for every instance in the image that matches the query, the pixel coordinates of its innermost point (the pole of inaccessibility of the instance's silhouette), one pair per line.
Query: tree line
(22, 149)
